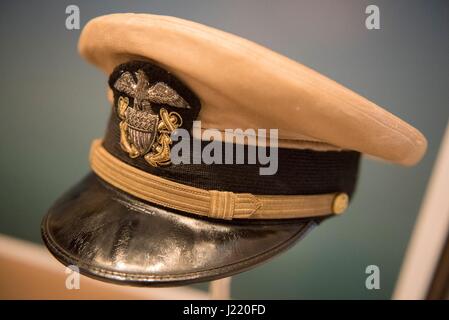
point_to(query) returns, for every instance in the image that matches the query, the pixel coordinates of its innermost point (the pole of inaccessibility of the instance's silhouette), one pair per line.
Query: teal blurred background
(53, 104)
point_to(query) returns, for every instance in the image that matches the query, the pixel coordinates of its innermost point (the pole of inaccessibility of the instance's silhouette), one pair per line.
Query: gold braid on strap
(210, 203)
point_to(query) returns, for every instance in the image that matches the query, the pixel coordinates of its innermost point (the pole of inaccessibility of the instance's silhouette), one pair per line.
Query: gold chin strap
(210, 203)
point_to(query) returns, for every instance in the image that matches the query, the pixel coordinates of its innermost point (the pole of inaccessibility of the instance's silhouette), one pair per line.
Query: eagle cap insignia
(150, 109)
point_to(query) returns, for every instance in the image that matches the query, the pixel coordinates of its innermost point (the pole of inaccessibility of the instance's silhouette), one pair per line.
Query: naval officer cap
(143, 217)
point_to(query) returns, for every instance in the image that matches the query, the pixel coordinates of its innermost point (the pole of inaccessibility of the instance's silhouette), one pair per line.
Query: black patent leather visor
(114, 237)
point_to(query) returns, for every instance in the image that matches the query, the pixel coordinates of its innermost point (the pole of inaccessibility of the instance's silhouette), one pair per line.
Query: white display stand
(430, 232)
(220, 289)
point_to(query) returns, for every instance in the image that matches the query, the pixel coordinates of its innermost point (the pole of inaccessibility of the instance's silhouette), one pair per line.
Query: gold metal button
(340, 203)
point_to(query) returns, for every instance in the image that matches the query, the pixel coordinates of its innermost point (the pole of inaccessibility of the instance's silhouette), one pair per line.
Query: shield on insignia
(142, 126)
(141, 120)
